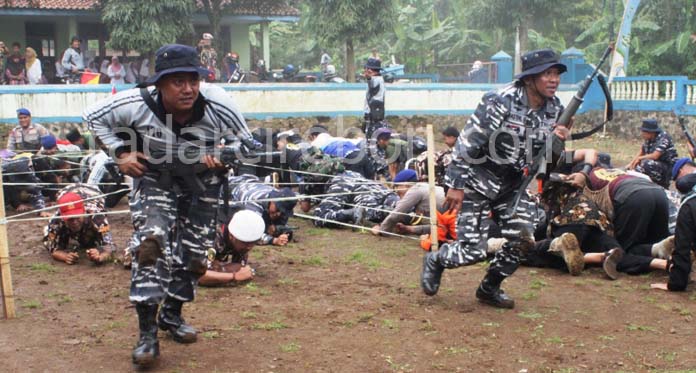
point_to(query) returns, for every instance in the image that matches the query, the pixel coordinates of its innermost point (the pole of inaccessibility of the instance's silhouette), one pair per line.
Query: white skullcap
(247, 226)
(207, 36)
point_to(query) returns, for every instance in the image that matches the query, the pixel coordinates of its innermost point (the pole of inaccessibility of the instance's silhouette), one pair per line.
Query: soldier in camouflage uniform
(356, 199)
(19, 169)
(228, 259)
(487, 171)
(65, 236)
(174, 224)
(246, 192)
(657, 154)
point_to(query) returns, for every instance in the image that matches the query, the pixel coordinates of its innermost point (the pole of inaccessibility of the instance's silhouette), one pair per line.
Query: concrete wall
(261, 101)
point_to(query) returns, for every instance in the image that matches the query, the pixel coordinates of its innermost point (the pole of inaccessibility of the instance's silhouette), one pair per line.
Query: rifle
(689, 138)
(538, 165)
(177, 164)
(285, 229)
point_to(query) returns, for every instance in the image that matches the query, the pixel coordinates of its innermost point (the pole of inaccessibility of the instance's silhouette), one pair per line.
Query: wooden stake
(431, 184)
(5, 275)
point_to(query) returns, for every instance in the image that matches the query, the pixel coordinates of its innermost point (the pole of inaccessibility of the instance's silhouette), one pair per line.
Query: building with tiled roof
(48, 25)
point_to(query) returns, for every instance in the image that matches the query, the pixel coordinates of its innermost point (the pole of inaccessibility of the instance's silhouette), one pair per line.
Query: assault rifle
(538, 165)
(186, 163)
(689, 138)
(285, 229)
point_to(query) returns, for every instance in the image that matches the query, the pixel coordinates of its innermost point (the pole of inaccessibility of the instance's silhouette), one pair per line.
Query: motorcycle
(238, 76)
(330, 75)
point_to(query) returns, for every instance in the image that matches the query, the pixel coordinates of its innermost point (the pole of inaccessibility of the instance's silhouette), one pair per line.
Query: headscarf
(15, 67)
(31, 58)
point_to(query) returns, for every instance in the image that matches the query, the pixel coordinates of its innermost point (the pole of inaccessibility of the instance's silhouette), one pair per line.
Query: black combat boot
(146, 351)
(489, 292)
(431, 274)
(345, 216)
(170, 320)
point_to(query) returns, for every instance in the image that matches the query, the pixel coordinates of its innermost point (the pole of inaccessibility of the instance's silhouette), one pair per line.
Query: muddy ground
(343, 301)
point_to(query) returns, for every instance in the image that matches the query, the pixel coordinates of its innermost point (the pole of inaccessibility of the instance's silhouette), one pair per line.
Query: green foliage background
(425, 33)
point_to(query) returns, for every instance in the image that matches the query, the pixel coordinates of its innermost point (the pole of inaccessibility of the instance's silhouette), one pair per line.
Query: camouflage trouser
(184, 228)
(336, 207)
(472, 235)
(369, 127)
(659, 172)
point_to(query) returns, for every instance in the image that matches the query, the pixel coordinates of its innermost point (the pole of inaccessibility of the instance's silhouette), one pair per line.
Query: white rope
(377, 209)
(37, 172)
(353, 226)
(4, 221)
(117, 212)
(124, 184)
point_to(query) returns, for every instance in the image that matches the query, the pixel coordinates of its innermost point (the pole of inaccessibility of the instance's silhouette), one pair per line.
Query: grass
(290, 347)
(315, 260)
(248, 315)
(530, 295)
(530, 315)
(211, 334)
(642, 328)
(390, 324)
(365, 317)
(456, 350)
(316, 232)
(287, 281)
(43, 267)
(537, 284)
(365, 258)
(32, 304)
(275, 325)
(491, 324)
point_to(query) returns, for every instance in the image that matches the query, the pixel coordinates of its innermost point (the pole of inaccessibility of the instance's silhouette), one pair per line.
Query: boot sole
(611, 262)
(496, 304)
(145, 362)
(437, 288)
(572, 254)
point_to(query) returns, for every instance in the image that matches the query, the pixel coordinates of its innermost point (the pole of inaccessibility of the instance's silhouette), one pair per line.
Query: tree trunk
(350, 61)
(524, 37)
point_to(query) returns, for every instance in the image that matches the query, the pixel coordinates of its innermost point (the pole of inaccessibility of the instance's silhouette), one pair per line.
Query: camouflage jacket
(95, 232)
(492, 149)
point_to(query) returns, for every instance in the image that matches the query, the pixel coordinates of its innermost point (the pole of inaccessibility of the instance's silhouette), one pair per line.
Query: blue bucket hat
(175, 58)
(538, 61)
(678, 166)
(23, 111)
(406, 176)
(48, 141)
(373, 64)
(650, 125)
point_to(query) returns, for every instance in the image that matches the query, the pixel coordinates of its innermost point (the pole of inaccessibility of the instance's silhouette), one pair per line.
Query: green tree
(131, 23)
(347, 23)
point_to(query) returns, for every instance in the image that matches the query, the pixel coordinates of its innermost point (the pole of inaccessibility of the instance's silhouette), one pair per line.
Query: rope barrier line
(378, 209)
(354, 226)
(363, 179)
(116, 212)
(38, 172)
(4, 221)
(124, 184)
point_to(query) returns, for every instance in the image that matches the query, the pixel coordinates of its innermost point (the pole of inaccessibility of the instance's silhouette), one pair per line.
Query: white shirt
(34, 73)
(112, 73)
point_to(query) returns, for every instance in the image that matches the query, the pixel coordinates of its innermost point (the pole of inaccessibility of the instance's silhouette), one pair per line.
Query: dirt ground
(343, 301)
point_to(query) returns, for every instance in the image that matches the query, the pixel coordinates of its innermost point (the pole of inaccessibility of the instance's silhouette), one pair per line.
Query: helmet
(330, 70)
(288, 69)
(234, 57)
(207, 36)
(260, 63)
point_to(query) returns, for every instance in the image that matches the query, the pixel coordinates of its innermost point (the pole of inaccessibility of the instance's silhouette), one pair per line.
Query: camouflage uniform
(180, 222)
(99, 169)
(374, 106)
(371, 195)
(20, 170)
(659, 170)
(244, 191)
(95, 232)
(223, 250)
(20, 139)
(497, 127)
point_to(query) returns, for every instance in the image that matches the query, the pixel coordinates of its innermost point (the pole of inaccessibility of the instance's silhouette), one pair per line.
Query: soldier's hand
(578, 180)
(94, 255)
(129, 164)
(281, 240)
(562, 132)
(72, 258)
(244, 273)
(375, 230)
(454, 199)
(211, 162)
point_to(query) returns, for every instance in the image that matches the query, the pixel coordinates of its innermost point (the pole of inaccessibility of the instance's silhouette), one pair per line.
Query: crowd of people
(195, 223)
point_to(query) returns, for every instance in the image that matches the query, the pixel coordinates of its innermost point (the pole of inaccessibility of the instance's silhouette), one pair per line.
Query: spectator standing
(116, 71)
(33, 67)
(74, 61)
(4, 53)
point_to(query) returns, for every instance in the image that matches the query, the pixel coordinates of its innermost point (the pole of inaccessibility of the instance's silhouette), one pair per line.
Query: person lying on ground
(414, 202)
(69, 233)
(227, 260)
